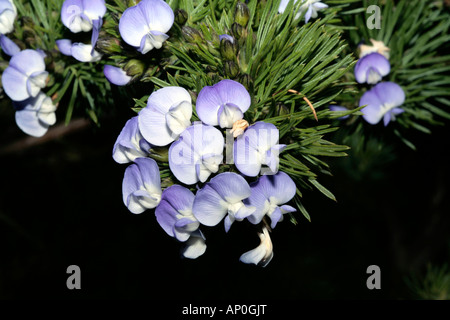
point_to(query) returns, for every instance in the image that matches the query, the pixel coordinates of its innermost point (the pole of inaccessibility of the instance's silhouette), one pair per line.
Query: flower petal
(128, 145)
(209, 208)
(159, 15)
(82, 52)
(28, 61)
(390, 93)
(133, 26)
(195, 247)
(8, 46)
(94, 9)
(372, 113)
(116, 75)
(367, 65)
(15, 84)
(232, 187)
(27, 116)
(65, 46)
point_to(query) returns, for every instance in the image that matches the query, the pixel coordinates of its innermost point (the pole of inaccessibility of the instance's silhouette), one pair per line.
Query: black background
(61, 204)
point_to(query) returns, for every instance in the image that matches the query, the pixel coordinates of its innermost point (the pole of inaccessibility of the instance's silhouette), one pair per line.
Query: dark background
(61, 204)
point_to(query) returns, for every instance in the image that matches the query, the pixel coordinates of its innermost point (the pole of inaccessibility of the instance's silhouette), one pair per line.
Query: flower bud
(191, 35)
(108, 45)
(281, 109)
(242, 14)
(237, 30)
(228, 48)
(134, 68)
(181, 17)
(231, 69)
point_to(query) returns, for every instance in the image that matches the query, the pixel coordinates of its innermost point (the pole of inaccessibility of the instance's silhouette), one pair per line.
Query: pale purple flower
(269, 196)
(383, 101)
(80, 51)
(226, 36)
(78, 15)
(196, 154)
(116, 75)
(25, 76)
(222, 198)
(174, 214)
(8, 46)
(8, 13)
(223, 103)
(35, 115)
(372, 68)
(130, 143)
(262, 254)
(258, 147)
(167, 114)
(144, 26)
(310, 6)
(141, 187)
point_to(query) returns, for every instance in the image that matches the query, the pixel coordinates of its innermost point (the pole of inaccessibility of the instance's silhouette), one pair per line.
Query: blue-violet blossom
(167, 114)
(270, 193)
(371, 68)
(130, 143)
(8, 46)
(144, 26)
(79, 15)
(258, 146)
(25, 76)
(223, 103)
(80, 51)
(383, 101)
(222, 197)
(196, 154)
(141, 187)
(174, 214)
(116, 75)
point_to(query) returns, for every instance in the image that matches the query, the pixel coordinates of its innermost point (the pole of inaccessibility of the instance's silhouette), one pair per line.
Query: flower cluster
(82, 16)
(308, 7)
(195, 155)
(24, 78)
(384, 99)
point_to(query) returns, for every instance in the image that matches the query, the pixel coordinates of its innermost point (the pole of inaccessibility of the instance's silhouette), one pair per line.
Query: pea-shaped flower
(144, 26)
(116, 75)
(130, 144)
(262, 254)
(196, 154)
(258, 146)
(141, 187)
(25, 75)
(270, 193)
(371, 68)
(222, 198)
(310, 6)
(8, 13)
(35, 115)
(167, 114)
(223, 103)
(78, 15)
(383, 101)
(8, 46)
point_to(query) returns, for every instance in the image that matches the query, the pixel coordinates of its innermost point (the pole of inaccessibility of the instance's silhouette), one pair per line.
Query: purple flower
(80, 51)
(174, 214)
(8, 46)
(226, 36)
(35, 115)
(167, 114)
(383, 101)
(25, 75)
(371, 68)
(262, 254)
(196, 154)
(130, 144)
(141, 187)
(310, 6)
(339, 109)
(8, 13)
(223, 103)
(144, 26)
(222, 197)
(269, 195)
(78, 15)
(116, 75)
(258, 146)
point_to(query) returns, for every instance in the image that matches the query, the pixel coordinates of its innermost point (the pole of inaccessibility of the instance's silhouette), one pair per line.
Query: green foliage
(434, 285)
(417, 33)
